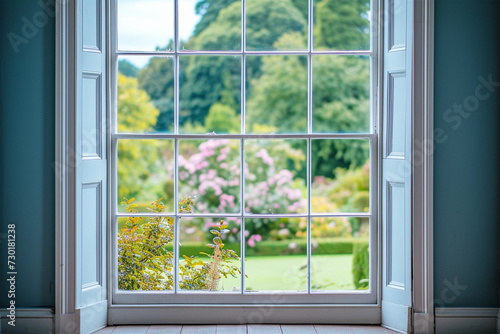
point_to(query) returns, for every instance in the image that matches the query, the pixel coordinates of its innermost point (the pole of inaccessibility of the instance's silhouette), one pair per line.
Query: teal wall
(466, 171)
(27, 151)
(466, 162)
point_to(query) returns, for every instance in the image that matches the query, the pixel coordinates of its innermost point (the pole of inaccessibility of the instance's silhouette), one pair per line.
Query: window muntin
(292, 58)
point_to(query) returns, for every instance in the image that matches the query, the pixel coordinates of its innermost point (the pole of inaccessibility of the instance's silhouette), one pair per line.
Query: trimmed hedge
(327, 246)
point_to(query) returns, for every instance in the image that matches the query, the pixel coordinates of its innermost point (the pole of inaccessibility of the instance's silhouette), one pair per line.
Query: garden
(275, 247)
(266, 198)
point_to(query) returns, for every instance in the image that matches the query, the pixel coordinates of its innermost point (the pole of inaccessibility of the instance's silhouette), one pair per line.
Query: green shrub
(361, 265)
(146, 263)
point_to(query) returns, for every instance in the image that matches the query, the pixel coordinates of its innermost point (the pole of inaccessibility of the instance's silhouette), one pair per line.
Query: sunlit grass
(278, 273)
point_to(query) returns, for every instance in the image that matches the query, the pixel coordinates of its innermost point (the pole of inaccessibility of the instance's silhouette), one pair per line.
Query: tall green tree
(157, 79)
(206, 80)
(127, 68)
(341, 95)
(342, 24)
(209, 11)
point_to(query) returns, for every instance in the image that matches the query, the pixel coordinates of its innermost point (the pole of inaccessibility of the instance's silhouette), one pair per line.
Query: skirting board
(498, 322)
(28, 320)
(466, 320)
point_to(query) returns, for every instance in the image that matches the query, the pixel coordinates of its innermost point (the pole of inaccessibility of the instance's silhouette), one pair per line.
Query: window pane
(340, 175)
(276, 254)
(220, 269)
(145, 99)
(276, 25)
(145, 253)
(275, 175)
(209, 171)
(341, 98)
(216, 27)
(145, 25)
(210, 94)
(342, 24)
(276, 94)
(340, 255)
(146, 173)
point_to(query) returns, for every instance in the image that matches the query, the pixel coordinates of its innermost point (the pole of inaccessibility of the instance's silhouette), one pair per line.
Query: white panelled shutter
(91, 165)
(396, 165)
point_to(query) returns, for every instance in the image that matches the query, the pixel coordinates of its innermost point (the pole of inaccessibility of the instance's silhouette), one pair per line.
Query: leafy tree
(303, 7)
(268, 20)
(209, 9)
(157, 79)
(207, 80)
(222, 119)
(127, 68)
(278, 98)
(340, 103)
(136, 158)
(342, 24)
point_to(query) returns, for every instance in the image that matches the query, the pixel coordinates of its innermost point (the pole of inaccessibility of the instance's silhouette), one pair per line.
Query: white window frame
(66, 313)
(245, 297)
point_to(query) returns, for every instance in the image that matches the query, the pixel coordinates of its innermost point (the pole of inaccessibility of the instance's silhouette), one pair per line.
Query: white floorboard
(231, 329)
(244, 329)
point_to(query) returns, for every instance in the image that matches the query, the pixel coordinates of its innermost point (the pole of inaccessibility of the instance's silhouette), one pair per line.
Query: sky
(145, 24)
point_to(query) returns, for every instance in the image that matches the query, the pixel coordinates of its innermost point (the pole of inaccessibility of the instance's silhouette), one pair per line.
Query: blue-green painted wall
(27, 151)
(466, 171)
(466, 163)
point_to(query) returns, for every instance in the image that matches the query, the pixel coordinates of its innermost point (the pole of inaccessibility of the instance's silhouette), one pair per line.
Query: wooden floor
(244, 329)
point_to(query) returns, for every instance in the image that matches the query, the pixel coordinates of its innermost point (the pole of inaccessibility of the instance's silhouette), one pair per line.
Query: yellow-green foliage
(143, 263)
(146, 263)
(136, 114)
(351, 190)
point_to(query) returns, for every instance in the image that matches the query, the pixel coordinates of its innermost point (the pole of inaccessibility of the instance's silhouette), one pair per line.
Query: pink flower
(251, 243)
(265, 157)
(207, 153)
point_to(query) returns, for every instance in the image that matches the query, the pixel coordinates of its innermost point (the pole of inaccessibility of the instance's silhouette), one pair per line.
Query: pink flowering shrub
(210, 172)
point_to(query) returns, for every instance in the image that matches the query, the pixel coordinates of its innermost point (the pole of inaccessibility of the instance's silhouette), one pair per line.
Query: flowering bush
(212, 171)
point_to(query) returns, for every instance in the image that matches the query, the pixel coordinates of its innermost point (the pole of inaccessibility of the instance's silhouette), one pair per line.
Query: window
(263, 114)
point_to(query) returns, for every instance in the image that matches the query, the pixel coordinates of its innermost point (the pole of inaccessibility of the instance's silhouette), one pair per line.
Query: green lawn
(288, 273)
